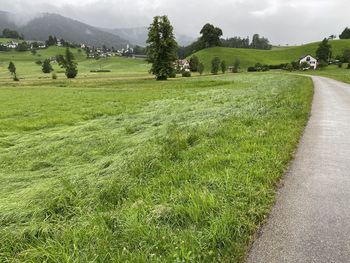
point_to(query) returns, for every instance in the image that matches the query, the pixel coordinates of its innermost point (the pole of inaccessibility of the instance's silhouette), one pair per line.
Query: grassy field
(27, 69)
(333, 72)
(249, 57)
(99, 170)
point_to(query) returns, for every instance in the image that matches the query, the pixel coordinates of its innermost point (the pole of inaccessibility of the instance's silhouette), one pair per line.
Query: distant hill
(40, 27)
(249, 57)
(5, 21)
(138, 35)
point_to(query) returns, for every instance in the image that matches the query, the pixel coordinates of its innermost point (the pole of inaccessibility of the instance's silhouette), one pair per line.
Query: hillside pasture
(276, 56)
(27, 68)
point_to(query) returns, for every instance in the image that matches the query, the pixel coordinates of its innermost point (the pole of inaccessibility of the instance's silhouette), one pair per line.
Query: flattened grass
(144, 171)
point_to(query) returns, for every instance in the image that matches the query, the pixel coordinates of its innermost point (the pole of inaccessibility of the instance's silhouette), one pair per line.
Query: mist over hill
(45, 24)
(138, 35)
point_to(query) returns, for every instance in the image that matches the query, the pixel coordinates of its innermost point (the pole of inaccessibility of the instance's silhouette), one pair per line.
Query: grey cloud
(282, 21)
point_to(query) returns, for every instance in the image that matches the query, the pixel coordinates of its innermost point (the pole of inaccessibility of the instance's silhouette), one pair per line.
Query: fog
(282, 21)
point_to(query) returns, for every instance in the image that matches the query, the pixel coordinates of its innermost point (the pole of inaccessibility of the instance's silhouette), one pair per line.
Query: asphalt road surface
(311, 219)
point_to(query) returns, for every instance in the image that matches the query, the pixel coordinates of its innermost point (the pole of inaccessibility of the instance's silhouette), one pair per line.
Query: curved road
(311, 218)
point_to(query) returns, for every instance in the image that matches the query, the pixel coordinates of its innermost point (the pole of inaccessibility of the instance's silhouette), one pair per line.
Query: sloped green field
(28, 69)
(249, 57)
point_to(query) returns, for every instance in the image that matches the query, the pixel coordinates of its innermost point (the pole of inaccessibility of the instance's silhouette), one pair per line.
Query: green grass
(333, 72)
(249, 57)
(27, 69)
(98, 170)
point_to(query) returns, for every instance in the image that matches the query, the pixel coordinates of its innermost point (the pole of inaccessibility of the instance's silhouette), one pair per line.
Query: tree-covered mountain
(43, 25)
(6, 22)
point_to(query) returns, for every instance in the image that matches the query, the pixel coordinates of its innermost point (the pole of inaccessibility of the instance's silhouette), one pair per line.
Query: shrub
(322, 64)
(100, 71)
(289, 67)
(304, 66)
(39, 62)
(54, 75)
(252, 69)
(340, 65)
(348, 66)
(71, 73)
(186, 74)
(46, 66)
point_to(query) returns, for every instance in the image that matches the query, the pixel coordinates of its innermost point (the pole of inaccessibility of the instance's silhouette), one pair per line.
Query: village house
(11, 44)
(182, 65)
(309, 60)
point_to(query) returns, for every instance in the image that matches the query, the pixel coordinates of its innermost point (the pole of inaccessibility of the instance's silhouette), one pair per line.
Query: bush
(252, 69)
(71, 73)
(100, 71)
(280, 66)
(322, 64)
(304, 66)
(39, 62)
(289, 67)
(186, 74)
(172, 74)
(54, 76)
(340, 65)
(348, 66)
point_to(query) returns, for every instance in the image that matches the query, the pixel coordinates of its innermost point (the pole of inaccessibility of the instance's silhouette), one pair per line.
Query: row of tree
(211, 36)
(8, 33)
(66, 61)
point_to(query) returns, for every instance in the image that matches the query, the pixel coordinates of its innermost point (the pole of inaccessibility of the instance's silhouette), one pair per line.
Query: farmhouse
(182, 65)
(310, 60)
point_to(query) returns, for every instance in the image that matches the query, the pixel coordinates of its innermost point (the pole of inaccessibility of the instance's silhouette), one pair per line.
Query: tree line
(211, 36)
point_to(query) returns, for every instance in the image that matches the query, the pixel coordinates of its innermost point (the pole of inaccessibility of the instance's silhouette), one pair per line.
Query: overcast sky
(282, 21)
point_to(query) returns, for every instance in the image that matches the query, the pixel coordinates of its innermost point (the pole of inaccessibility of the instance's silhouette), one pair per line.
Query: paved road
(311, 219)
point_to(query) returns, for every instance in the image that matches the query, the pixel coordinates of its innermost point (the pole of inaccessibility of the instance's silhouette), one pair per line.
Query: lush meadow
(249, 57)
(134, 170)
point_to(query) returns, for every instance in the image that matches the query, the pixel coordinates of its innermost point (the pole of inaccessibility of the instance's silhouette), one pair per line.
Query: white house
(11, 44)
(182, 65)
(310, 60)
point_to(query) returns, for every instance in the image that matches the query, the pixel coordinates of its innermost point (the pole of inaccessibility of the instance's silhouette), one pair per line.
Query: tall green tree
(346, 55)
(68, 63)
(215, 65)
(236, 65)
(161, 48)
(201, 68)
(345, 34)
(324, 51)
(46, 66)
(223, 67)
(194, 62)
(210, 36)
(12, 69)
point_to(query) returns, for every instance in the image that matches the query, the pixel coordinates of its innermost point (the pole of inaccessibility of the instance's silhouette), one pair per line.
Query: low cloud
(282, 21)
